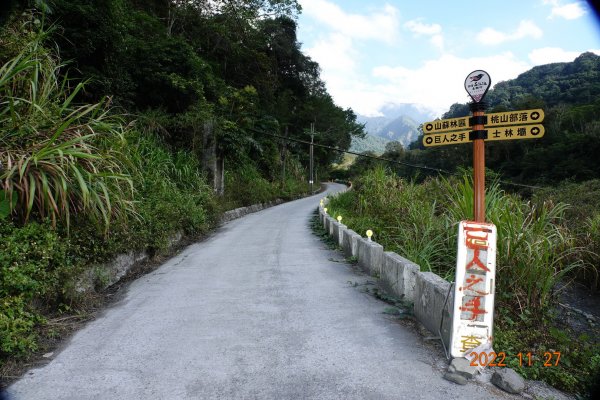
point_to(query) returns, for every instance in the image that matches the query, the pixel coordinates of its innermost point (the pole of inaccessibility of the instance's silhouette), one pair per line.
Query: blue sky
(420, 51)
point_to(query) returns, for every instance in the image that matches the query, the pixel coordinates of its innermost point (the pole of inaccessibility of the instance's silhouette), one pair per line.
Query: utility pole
(312, 136)
(283, 156)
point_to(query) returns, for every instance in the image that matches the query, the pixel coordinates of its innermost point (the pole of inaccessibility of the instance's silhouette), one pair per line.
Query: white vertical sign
(473, 314)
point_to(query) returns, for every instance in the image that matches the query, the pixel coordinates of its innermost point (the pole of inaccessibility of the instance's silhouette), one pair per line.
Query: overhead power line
(438, 170)
(357, 154)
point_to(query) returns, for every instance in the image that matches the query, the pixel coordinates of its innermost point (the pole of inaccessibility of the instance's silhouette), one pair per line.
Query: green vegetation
(583, 220)
(121, 148)
(535, 252)
(370, 143)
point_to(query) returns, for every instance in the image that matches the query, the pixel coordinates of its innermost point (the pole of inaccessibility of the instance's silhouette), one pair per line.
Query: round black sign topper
(477, 84)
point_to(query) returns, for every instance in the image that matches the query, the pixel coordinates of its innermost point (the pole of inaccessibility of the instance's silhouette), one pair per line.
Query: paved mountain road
(257, 311)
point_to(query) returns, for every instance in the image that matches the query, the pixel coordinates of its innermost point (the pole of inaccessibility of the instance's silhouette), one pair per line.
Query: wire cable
(438, 170)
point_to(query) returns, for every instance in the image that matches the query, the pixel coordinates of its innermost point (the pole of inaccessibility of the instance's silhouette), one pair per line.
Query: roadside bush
(404, 217)
(171, 192)
(33, 263)
(244, 185)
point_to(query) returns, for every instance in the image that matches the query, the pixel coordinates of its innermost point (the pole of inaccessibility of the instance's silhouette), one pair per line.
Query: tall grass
(583, 219)
(171, 191)
(534, 249)
(57, 158)
(420, 222)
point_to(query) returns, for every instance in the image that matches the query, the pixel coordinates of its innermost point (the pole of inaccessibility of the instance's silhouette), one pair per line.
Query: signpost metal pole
(478, 168)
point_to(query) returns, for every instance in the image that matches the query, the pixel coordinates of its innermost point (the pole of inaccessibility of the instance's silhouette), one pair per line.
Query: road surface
(260, 310)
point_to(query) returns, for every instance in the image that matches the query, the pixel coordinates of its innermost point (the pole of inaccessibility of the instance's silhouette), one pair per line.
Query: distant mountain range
(399, 122)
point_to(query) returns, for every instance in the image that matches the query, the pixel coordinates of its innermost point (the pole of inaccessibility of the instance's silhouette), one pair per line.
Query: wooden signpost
(472, 323)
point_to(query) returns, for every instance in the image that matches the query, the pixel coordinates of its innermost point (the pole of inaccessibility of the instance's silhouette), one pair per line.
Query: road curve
(260, 310)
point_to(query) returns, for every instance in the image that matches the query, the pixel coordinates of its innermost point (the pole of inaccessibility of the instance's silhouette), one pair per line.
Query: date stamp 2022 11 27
(528, 359)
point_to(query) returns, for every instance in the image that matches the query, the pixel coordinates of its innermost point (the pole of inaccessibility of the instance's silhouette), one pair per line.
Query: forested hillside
(237, 64)
(125, 123)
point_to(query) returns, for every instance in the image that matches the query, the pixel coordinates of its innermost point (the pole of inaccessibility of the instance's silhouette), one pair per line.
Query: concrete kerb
(432, 302)
(350, 243)
(370, 256)
(399, 275)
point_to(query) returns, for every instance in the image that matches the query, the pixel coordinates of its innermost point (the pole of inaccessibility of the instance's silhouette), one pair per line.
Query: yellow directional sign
(498, 133)
(515, 118)
(521, 117)
(516, 132)
(445, 125)
(443, 139)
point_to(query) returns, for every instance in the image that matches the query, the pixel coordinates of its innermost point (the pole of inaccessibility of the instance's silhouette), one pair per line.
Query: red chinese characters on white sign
(474, 287)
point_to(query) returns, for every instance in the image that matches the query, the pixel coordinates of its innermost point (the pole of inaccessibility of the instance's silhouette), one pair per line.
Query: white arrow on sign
(477, 84)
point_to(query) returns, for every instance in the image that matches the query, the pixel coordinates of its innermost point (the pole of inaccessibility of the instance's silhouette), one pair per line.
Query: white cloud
(420, 28)
(434, 31)
(435, 85)
(439, 83)
(546, 55)
(381, 25)
(566, 11)
(336, 53)
(526, 28)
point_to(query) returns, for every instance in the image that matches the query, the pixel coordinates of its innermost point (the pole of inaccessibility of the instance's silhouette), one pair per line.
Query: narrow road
(260, 310)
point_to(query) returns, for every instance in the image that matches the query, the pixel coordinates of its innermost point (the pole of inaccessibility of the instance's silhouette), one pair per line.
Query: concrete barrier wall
(335, 232)
(400, 277)
(431, 306)
(350, 243)
(240, 212)
(370, 256)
